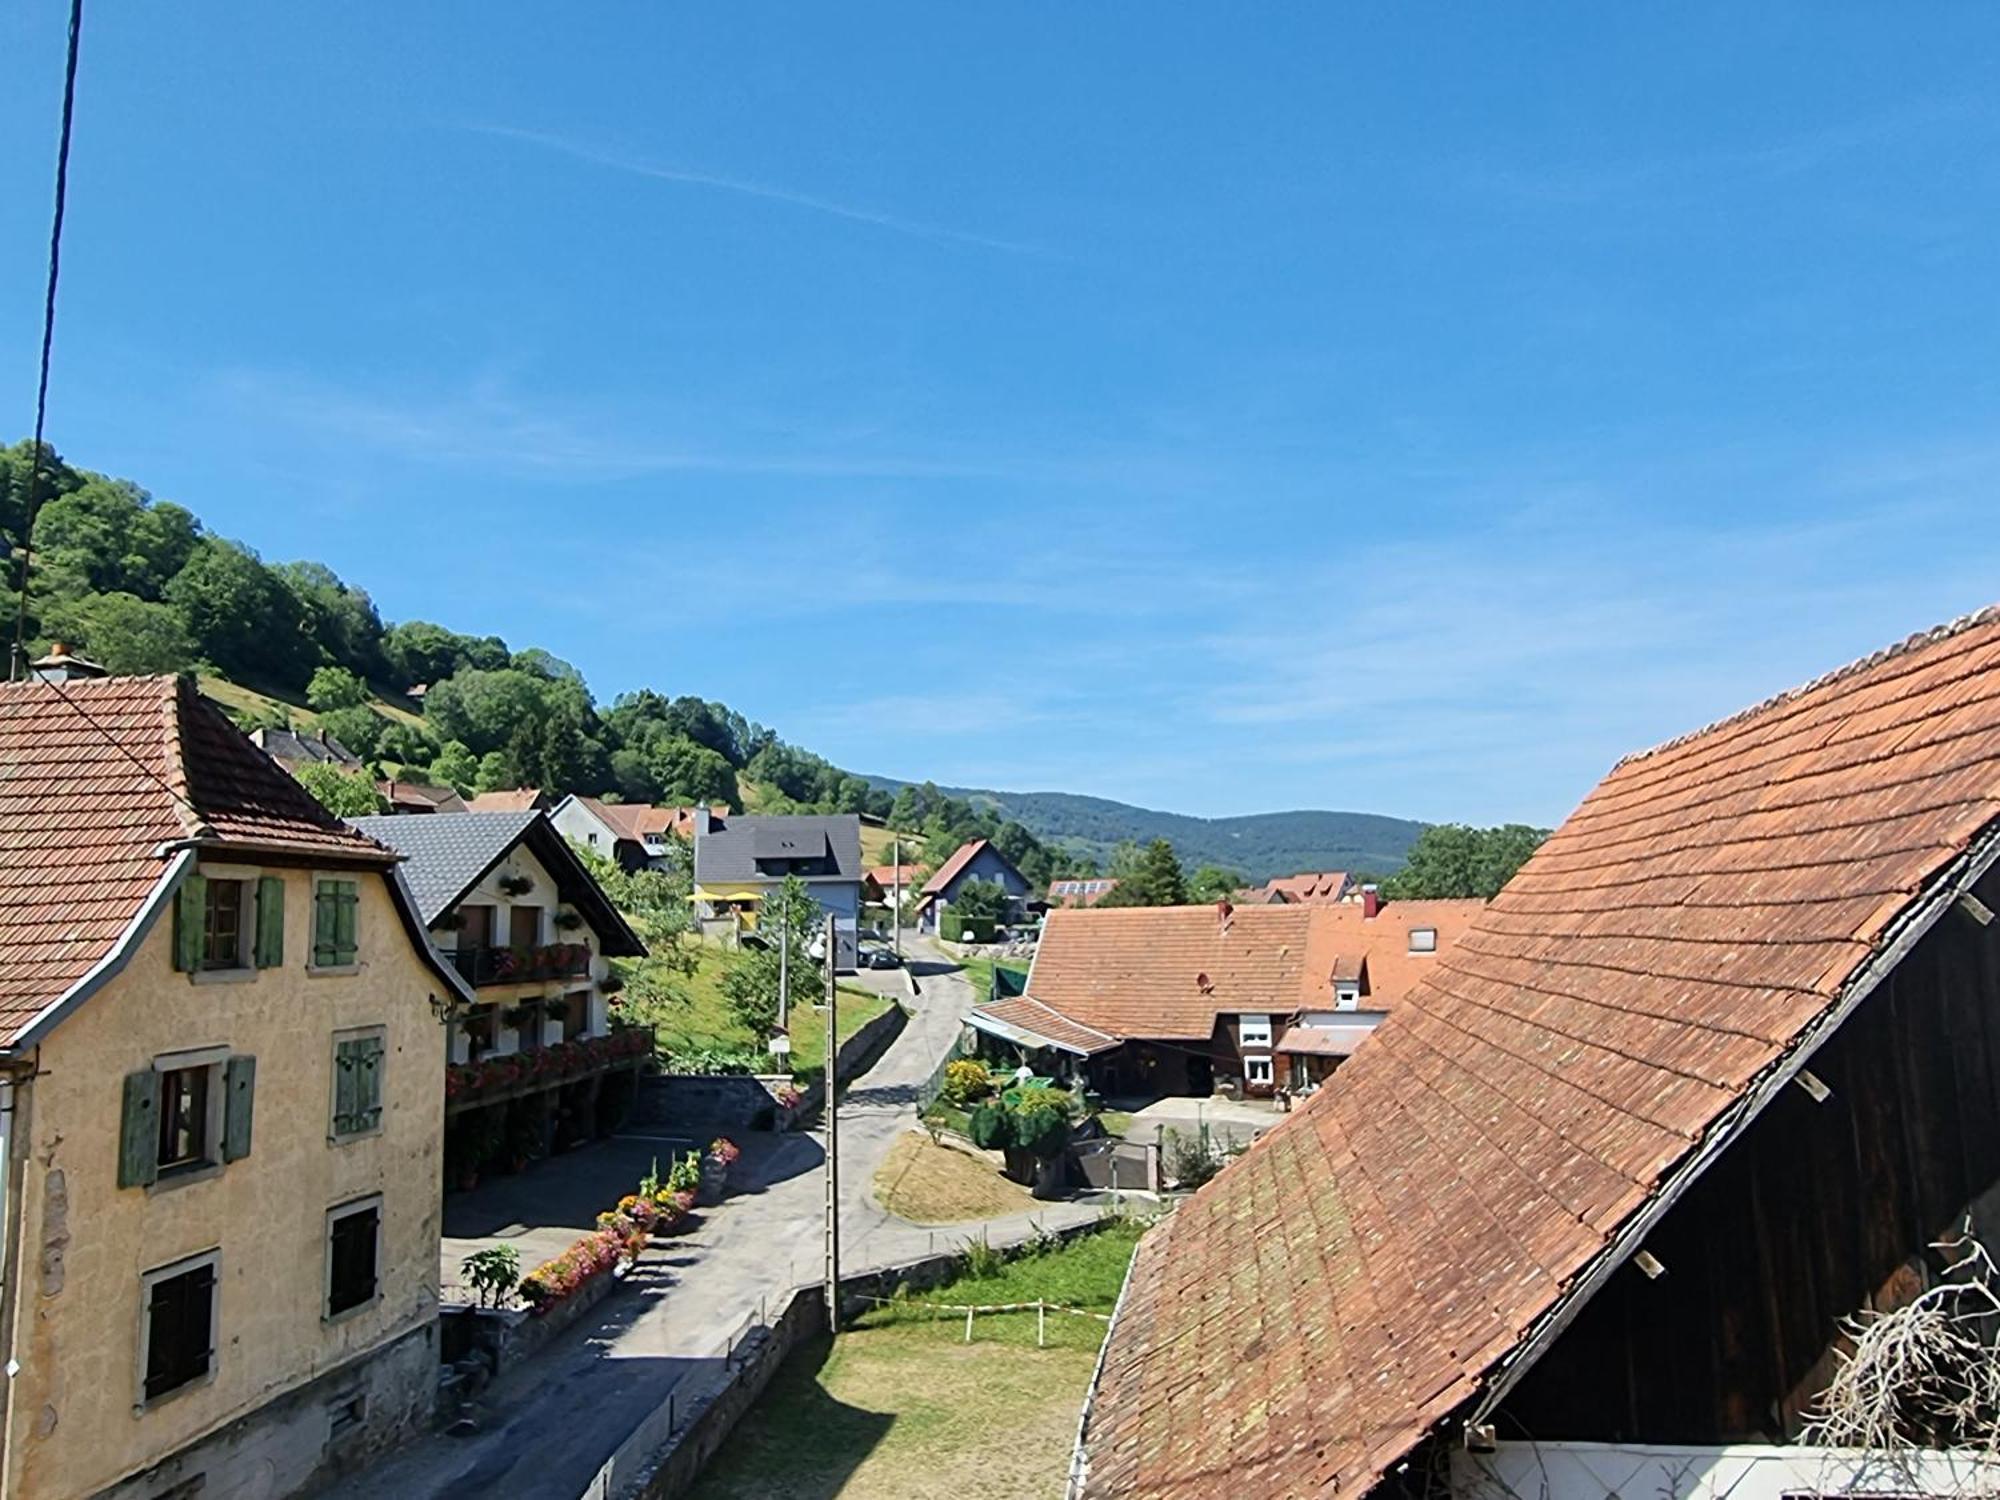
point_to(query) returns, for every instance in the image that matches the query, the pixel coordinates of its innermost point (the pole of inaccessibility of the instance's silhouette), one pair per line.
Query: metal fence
(931, 1087)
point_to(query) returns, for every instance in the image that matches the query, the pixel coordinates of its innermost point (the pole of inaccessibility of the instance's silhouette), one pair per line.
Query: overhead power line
(19, 661)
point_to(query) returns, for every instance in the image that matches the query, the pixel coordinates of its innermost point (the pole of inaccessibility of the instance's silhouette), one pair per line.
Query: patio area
(1237, 1122)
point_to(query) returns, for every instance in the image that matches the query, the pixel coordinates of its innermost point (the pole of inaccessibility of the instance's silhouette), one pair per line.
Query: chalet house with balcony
(638, 836)
(534, 1064)
(740, 860)
(219, 1111)
(1192, 1000)
(1713, 1083)
(976, 859)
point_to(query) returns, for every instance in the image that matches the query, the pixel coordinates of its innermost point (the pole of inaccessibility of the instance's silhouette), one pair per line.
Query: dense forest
(139, 585)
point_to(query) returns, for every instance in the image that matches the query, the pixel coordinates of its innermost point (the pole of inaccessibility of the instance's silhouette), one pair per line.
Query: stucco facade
(290, 1390)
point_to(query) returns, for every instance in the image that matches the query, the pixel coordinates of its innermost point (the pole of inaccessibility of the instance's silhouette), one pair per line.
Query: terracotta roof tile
(1024, 1013)
(1305, 1320)
(962, 856)
(1313, 886)
(95, 776)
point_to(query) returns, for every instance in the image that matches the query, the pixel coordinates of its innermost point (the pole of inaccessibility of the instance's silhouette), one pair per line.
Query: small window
(335, 903)
(357, 1083)
(1256, 1031)
(222, 926)
(186, 1125)
(1346, 997)
(179, 1326)
(1423, 940)
(524, 926)
(475, 929)
(353, 1242)
(1257, 1069)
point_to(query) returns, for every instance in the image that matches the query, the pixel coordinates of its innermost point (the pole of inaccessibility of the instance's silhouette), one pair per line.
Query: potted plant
(715, 1164)
(567, 920)
(517, 885)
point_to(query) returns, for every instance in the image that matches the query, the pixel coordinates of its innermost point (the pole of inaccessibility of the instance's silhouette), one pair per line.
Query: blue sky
(1395, 408)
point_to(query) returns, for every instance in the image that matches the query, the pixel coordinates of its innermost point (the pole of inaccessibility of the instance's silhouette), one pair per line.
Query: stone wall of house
(78, 1422)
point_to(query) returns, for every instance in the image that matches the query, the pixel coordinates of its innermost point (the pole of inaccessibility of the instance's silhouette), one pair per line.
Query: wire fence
(931, 1087)
(1040, 1308)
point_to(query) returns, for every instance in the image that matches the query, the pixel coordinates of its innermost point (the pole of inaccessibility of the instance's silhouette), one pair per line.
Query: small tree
(981, 899)
(492, 1272)
(991, 1127)
(336, 687)
(345, 794)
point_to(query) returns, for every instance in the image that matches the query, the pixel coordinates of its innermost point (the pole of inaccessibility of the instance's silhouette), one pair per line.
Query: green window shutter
(270, 921)
(368, 1084)
(190, 919)
(323, 925)
(346, 899)
(239, 1099)
(139, 1139)
(346, 1085)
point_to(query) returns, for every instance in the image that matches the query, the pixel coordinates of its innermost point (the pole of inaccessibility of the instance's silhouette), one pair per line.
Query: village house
(218, 1107)
(292, 748)
(534, 1066)
(511, 799)
(638, 836)
(975, 859)
(880, 883)
(1192, 1000)
(1594, 1211)
(1080, 891)
(417, 798)
(1313, 888)
(740, 860)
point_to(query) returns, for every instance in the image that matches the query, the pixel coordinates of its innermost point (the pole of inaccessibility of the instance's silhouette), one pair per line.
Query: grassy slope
(979, 973)
(240, 701)
(929, 1184)
(902, 1409)
(704, 1022)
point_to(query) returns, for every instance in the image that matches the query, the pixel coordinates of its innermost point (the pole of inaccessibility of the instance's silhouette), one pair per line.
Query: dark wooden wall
(1819, 1211)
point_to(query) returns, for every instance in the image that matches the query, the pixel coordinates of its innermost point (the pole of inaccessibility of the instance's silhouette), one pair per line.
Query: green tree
(484, 710)
(1214, 883)
(686, 773)
(335, 687)
(342, 621)
(981, 898)
(357, 727)
(241, 616)
(1456, 861)
(346, 794)
(109, 536)
(455, 766)
(498, 772)
(1148, 877)
(123, 633)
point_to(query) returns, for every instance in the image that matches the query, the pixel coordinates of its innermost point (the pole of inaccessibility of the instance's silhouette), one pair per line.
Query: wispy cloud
(768, 192)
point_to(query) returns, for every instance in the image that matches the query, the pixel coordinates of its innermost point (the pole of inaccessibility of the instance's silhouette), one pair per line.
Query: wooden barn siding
(1821, 1210)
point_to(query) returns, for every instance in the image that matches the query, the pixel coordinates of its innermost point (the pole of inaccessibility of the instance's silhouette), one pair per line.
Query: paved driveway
(551, 1423)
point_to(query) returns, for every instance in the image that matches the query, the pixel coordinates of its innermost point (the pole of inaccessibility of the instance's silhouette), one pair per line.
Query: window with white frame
(1257, 1069)
(353, 1250)
(1346, 996)
(1423, 940)
(1255, 1031)
(179, 1312)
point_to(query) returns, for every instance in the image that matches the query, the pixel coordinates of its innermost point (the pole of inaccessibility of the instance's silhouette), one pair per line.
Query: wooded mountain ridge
(1258, 845)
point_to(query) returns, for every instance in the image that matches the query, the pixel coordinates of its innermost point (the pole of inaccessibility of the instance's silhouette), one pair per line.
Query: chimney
(63, 665)
(698, 819)
(1371, 903)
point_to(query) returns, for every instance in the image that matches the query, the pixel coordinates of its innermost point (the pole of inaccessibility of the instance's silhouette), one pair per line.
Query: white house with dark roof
(740, 859)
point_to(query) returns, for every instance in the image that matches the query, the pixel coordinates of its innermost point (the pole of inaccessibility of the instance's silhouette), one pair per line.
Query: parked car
(881, 958)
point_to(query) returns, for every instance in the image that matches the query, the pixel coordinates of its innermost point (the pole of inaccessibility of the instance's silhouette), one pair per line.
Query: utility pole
(832, 1144)
(784, 962)
(896, 911)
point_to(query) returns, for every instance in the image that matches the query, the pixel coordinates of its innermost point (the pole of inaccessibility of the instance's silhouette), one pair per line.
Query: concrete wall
(76, 1423)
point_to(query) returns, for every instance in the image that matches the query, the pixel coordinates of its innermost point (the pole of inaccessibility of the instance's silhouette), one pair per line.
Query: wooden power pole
(832, 1139)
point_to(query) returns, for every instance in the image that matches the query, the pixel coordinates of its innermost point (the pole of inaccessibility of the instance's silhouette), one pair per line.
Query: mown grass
(902, 1408)
(929, 1184)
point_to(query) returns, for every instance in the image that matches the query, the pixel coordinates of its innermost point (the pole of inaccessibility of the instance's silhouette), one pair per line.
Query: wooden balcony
(523, 964)
(494, 1080)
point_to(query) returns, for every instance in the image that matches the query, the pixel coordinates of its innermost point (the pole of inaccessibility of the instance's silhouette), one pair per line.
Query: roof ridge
(1986, 616)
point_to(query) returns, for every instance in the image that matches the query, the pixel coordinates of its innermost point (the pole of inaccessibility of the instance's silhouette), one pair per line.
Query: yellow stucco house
(220, 1046)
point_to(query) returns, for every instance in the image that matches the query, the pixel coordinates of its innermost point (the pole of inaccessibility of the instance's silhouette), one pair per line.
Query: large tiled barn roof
(1308, 1318)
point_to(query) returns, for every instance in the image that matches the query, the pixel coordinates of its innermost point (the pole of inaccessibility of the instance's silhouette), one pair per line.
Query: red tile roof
(95, 776)
(1169, 971)
(1319, 1308)
(634, 820)
(512, 799)
(1313, 886)
(1025, 1013)
(1082, 890)
(885, 876)
(950, 870)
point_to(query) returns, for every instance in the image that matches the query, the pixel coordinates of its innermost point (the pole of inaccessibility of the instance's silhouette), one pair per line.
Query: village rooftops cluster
(1395, 1257)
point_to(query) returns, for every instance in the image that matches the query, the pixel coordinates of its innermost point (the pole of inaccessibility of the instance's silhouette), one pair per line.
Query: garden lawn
(704, 1022)
(979, 974)
(901, 1408)
(929, 1184)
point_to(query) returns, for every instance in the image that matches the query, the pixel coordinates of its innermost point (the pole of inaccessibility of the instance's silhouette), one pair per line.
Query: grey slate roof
(728, 853)
(445, 855)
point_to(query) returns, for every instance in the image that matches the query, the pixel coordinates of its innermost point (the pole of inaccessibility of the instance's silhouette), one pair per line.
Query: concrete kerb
(665, 1455)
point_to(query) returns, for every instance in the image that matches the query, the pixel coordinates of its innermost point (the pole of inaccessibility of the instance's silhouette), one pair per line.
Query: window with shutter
(239, 1103)
(357, 1084)
(139, 1137)
(190, 917)
(353, 1235)
(335, 903)
(270, 950)
(179, 1326)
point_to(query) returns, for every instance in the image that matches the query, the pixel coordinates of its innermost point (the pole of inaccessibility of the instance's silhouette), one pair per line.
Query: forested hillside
(140, 585)
(1259, 846)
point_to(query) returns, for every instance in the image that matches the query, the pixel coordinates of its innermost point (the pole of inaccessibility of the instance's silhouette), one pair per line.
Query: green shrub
(1040, 1126)
(492, 1272)
(955, 927)
(991, 1127)
(965, 1080)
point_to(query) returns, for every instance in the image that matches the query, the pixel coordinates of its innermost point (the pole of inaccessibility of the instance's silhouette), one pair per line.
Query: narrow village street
(549, 1426)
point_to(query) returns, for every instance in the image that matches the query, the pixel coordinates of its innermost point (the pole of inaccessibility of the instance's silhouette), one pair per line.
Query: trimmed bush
(966, 1080)
(991, 1127)
(955, 928)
